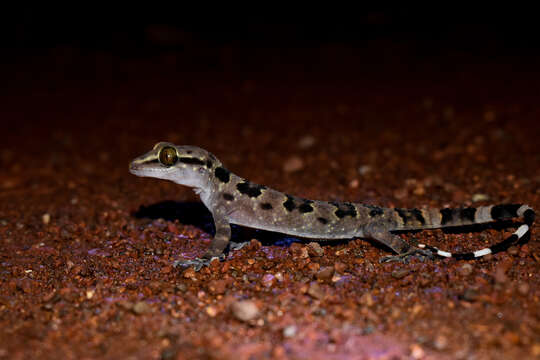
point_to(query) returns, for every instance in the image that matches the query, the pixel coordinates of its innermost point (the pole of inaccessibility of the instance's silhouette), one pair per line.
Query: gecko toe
(234, 246)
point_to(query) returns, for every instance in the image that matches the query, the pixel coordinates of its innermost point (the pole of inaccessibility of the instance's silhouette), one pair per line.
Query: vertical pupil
(168, 156)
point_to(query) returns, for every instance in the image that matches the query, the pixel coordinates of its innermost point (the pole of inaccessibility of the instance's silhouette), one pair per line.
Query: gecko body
(235, 200)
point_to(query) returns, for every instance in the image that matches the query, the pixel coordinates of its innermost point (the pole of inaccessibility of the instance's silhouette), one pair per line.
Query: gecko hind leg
(404, 251)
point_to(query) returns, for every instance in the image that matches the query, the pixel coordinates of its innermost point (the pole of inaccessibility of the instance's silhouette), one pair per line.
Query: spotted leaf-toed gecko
(234, 200)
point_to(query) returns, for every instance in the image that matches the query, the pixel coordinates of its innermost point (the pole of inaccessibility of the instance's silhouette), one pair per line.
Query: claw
(421, 254)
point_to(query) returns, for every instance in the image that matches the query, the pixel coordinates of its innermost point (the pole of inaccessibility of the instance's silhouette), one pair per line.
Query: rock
(268, 280)
(466, 269)
(366, 299)
(315, 249)
(325, 274)
(306, 142)
(315, 291)
(245, 310)
(340, 267)
(400, 273)
(480, 197)
(440, 342)
(141, 307)
(292, 164)
(217, 287)
(523, 288)
(290, 331)
(298, 251)
(364, 169)
(211, 311)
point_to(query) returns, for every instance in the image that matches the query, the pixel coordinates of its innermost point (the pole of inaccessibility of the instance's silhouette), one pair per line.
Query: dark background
(490, 31)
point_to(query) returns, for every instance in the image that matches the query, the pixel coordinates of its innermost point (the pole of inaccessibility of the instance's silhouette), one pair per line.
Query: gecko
(232, 199)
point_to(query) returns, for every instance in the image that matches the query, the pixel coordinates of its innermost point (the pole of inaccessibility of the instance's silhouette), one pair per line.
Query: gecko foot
(418, 253)
(197, 263)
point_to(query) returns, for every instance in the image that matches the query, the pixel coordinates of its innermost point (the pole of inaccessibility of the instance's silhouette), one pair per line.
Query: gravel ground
(87, 249)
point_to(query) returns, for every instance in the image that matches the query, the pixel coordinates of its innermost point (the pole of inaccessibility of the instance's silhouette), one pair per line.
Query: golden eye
(167, 156)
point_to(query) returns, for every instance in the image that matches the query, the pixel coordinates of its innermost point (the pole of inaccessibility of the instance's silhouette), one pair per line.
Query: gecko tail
(496, 212)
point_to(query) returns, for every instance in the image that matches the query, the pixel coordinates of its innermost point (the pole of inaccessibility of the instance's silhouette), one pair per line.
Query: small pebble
(140, 307)
(290, 331)
(440, 342)
(367, 299)
(340, 267)
(364, 169)
(211, 311)
(294, 163)
(480, 197)
(298, 251)
(466, 269)
(217, 287)
(417, 352)
(523, 288)
(342, 252)
(46, 218)
(315, 291)
(268, 280)
(245, 310)
(326, 273)
(306, 142)
(400, 273)
(315, 249)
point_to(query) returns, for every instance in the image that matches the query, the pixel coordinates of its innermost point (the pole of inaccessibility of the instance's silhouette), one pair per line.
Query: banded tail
(435, 218)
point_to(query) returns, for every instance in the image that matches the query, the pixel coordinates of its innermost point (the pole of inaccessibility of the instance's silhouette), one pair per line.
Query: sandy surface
(87, 249)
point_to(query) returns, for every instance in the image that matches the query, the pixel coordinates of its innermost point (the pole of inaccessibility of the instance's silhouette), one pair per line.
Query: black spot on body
(418, 215)
(504, 211)
(468, 213)
(192, 161)
(250, 189)
(402, 214)
(266, 206)
(374, 210)
(289, 203)
(306, 207)
(322, 220)
(344, 209)
(222, 174)
(446, 216)
(228, 197)
(411, 216)
(209, 164)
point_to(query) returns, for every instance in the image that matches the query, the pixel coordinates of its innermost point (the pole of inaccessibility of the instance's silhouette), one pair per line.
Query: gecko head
(185, 165)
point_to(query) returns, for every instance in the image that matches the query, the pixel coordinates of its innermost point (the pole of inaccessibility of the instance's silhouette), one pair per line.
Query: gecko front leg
(378, 231)
(220, 241)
